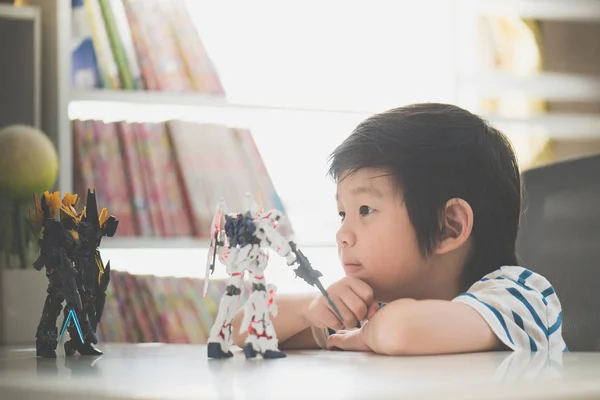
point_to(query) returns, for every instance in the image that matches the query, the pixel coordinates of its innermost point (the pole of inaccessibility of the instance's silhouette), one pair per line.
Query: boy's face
(376, 240)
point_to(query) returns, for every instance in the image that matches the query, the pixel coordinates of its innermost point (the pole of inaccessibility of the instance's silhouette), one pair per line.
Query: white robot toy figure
(243, 246)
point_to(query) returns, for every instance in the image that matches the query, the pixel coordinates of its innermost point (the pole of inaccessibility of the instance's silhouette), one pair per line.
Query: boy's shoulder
(520, 305)
(520, 277)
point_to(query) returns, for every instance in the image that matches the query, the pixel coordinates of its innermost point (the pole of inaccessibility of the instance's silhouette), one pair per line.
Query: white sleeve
(320, 335)
(521, 308)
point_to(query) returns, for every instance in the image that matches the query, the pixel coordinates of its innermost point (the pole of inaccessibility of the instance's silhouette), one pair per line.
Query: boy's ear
(457, 225)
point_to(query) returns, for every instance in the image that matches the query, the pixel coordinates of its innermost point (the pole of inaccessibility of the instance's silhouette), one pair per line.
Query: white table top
(169, 371)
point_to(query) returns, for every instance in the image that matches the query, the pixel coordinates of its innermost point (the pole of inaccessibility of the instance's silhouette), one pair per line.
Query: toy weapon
(311, 276)
(215, 243)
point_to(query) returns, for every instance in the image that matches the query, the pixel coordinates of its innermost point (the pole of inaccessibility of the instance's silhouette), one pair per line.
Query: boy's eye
(365, 210)
(342, 214)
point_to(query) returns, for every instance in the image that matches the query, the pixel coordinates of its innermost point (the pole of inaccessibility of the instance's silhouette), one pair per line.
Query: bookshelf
(153, 243)
(59, 97)
(557, 95)
(471, 85)
(570, 10)
(20, 79)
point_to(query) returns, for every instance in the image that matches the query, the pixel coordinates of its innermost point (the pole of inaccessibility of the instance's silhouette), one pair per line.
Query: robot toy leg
(74, 302)
(220, 338)
(74, 343)
(99, 299)
(47, 334)
(257, 322)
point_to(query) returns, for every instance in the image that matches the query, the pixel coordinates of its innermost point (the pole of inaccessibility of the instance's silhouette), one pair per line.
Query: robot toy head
(87, 233)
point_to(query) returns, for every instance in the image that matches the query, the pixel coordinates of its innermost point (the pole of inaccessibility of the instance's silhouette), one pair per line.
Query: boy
(429, 201)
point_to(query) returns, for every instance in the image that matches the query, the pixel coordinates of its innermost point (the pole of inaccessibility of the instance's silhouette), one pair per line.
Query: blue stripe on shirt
(519, 322)
(520, 282)
(548, 292)
(524, 275)
(496, 313)
(534, 314)
(556, 325)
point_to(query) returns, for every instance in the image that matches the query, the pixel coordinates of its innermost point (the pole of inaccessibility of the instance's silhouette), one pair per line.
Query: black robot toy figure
(60, 249)
(93, 276)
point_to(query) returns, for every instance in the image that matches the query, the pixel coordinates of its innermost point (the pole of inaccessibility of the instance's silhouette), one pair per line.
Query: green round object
(28, 162)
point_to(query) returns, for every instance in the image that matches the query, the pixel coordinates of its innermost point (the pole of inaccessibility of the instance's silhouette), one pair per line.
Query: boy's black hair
(437, 152)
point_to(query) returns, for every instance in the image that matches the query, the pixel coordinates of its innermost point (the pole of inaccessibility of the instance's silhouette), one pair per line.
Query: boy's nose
(345, 237)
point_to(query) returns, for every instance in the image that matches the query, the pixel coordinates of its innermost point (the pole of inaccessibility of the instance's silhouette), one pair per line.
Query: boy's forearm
(289, 322)
(411, 327)
(385, 333)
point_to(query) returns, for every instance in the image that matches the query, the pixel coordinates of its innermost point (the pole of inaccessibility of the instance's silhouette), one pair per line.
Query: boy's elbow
(392, 332)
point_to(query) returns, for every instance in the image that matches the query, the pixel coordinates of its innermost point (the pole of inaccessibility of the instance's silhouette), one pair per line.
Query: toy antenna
(248, 201)
(260, 202)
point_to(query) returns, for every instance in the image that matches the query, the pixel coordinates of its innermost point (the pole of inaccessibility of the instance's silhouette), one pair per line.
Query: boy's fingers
(330, 320)
(373, 308)
(334, 342)
(357, 307)
(344, 340)
(362, 290)
(346, 312)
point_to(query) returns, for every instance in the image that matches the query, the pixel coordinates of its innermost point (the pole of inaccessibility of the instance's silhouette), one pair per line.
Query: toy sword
(311, 276)
(215, 242)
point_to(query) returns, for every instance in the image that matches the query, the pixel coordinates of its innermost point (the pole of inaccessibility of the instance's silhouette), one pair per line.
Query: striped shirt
(521, 307)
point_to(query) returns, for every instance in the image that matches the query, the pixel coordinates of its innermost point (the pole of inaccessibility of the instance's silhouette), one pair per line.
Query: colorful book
(135, 180)
(109, 73)
(157, 47)
(84, 63)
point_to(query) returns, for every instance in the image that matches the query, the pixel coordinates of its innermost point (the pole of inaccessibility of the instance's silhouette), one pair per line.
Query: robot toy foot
(45, 343)
(249, 351)
(214, 351)
(267, 354)
(69, 349)
(85, 349)
(45, 353)
(274, 354)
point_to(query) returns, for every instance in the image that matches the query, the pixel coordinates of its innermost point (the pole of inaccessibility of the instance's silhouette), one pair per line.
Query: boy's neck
(443, 275)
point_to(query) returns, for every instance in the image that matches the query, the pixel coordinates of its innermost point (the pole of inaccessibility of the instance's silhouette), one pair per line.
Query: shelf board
(158, 98)
(571, 126)
(560, 10)
(19, 12)
(153, 243)
(177, 243)
(148, 97)
(556, 125)
(547, 86)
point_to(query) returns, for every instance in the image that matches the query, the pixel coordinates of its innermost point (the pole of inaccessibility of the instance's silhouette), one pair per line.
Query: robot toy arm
(287, 248)
(271, 238)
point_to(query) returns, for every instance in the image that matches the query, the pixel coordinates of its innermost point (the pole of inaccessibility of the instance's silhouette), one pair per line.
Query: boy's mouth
(352, 268)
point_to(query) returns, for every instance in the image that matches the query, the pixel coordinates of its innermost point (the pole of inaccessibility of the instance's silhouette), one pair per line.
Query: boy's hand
(354, 299)
(350, 340)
